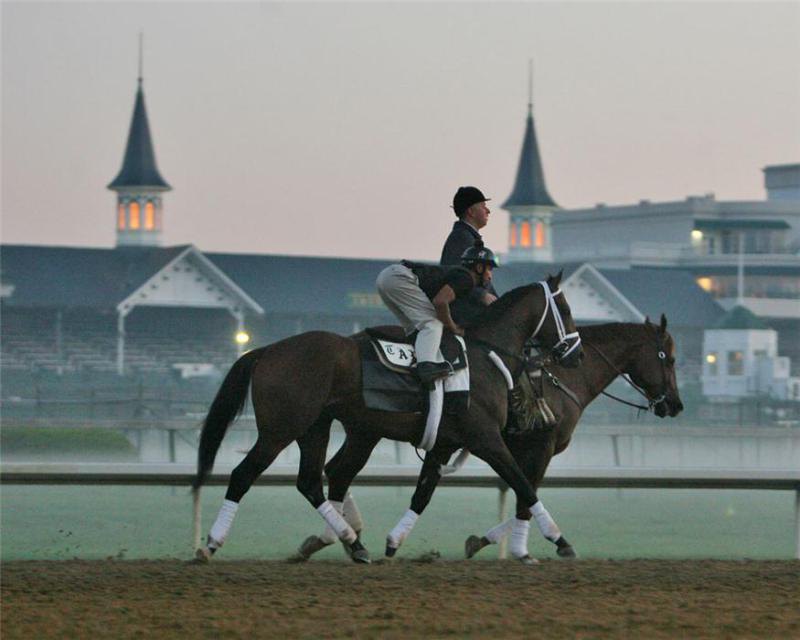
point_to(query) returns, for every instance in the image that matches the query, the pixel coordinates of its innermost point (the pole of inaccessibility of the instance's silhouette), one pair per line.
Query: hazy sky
(344, 129)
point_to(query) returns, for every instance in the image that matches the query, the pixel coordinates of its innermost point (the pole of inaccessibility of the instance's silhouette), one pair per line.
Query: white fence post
(502, 513)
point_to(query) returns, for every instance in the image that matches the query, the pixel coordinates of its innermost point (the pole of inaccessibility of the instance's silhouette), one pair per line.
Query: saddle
(388, 372)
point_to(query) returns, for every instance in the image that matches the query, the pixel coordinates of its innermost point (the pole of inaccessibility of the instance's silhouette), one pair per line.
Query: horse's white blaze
(222, 525)
(336, 522)
(402, 529)
(500, 531)
(519, 538)
(547, 525)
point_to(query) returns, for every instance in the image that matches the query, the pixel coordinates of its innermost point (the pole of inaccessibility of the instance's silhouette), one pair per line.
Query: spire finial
(141, 55)
(530, 84)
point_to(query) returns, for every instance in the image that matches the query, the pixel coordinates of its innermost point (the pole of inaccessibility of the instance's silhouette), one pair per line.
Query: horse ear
(647, 320)
(663, 326)
(555, 280)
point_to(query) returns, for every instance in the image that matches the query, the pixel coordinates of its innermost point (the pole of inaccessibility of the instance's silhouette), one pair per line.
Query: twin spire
(529, 186)
(139, 167)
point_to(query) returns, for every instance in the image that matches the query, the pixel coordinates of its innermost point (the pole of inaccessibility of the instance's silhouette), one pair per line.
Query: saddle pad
(401, 356)
(389, 382)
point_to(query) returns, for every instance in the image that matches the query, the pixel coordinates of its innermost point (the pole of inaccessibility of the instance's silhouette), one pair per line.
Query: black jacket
(461, 238)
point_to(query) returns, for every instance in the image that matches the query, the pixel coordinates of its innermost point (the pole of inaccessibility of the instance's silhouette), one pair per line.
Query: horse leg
(426, 484)
(342, 468)
(537, 458)
(518, 526)
(497, 455)
(242, 478)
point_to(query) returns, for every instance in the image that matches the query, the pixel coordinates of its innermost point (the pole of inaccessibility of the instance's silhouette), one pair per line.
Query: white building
(741, 360)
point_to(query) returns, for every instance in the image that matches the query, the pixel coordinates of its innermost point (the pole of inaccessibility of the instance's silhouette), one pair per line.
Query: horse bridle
(562, 348)
(651, 402)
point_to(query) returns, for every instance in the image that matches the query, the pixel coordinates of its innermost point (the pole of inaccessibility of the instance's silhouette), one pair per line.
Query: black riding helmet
(478, 254)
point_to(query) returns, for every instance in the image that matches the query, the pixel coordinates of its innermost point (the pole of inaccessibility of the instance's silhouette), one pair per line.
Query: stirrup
(429, 372)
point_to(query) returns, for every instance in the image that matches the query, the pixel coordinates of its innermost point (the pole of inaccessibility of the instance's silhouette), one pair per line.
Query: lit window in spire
(121, 217)
(512, 235)
(525, 239)
(149, 216)
(539, 238)
(135, 224)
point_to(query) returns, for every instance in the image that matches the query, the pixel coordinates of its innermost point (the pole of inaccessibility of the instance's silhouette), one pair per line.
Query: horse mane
(495, 310)
(602, 332)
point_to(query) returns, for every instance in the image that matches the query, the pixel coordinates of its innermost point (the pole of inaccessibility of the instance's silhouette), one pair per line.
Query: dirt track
(405, 599)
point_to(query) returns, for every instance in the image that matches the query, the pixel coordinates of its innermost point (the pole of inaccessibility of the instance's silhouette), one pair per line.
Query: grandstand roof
(71, 277)
(300, 284)
(650, 291)
(77, 276)
(673, 293)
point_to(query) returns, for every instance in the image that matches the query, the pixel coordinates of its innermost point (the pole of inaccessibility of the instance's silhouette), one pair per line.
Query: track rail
(136, 474)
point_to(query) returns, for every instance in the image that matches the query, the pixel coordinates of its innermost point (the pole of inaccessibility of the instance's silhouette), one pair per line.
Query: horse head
(653, 369)
(556, 326)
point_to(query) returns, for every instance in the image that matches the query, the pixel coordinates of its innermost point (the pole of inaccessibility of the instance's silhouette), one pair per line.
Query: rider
(420, 296)
(469, 205)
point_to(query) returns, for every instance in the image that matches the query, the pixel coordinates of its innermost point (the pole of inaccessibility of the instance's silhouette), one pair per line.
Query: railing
(405, 475)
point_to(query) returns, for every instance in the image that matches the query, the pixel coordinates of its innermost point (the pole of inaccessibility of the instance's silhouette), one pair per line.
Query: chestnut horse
(644, 353)
(300, 384)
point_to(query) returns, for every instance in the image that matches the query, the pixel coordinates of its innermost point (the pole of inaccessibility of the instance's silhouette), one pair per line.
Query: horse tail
(227, 405)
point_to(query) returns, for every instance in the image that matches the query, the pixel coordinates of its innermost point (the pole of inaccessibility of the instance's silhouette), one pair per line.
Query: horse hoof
(566, 552)
(309, 547)
(390, 551)
(472, 546)
(360, 556)
(358, 552)
(528, 560)
(202, 555)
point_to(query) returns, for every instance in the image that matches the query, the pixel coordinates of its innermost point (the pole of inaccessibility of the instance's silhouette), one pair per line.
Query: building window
(135, 215)
(121, 217)
(706, 284)
(711, 364)
(539, 237)
(735, 363)
(512, 235)
(525, 234)
(149, 216)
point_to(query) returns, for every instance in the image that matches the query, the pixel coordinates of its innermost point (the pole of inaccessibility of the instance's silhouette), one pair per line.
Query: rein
(651, 402)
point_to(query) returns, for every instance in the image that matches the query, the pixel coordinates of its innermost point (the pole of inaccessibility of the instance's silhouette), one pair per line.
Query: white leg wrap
(519, 538)
(352, 513)
(402, 529)
(222, 525)
(329, 536)
(336, 522)
(547, 525)
(500, 531)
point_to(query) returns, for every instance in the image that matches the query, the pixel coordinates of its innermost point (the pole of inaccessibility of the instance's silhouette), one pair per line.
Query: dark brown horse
(643, 352)
(299, 385)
